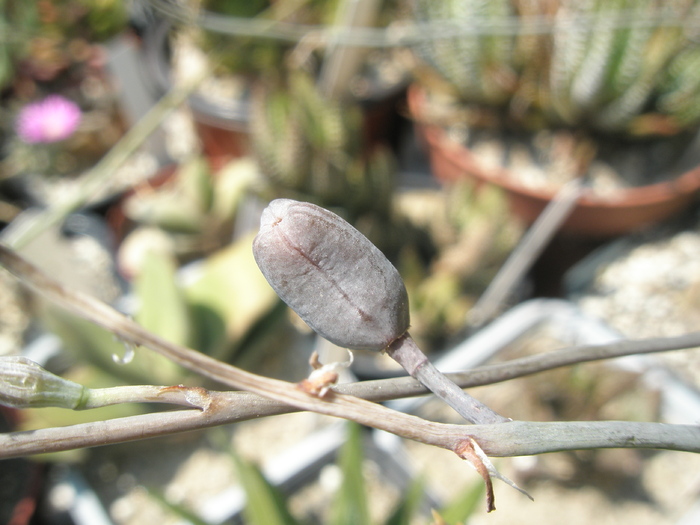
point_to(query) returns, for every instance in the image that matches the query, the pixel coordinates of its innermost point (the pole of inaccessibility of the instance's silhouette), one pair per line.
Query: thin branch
(234, 407)
(395, 388)
(522, 438)
(571, 356)
(334, 404)
(509, 439)
(525, 254)
(222, 408)
(405, 352)
(517, 438)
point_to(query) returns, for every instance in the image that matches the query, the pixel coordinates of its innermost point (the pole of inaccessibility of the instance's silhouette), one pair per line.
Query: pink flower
(50, 120)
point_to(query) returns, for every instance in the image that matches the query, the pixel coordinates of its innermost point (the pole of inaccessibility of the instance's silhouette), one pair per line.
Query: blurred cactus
(240, 54)
(473, 233)
(680, 87)
(613, 71)
(91, 20)
(477, 65)
(621, 66)
(311, 146)
(251, 55)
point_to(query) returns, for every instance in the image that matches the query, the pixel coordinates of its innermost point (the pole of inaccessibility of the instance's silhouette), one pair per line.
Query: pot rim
(679, 188)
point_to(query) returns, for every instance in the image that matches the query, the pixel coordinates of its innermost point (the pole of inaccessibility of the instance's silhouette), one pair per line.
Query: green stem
(405, 351)
(176, 395)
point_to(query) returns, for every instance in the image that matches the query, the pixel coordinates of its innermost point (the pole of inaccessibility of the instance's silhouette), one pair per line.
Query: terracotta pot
(224, 131)
(624, 211)
(223, 134)
(117, 219)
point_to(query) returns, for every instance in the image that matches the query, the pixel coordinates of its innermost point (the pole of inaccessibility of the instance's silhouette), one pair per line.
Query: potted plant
(594, 90)
(242, 46)
(308, 144)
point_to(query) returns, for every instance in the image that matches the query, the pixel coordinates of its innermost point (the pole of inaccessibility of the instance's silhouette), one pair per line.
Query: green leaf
(464, 506)
(162, 308)
(195, 181)
(408, 506)
(265, 505)
(230, 297)
(231, 186)
(180, 204)
(350, 505)
(89, 343)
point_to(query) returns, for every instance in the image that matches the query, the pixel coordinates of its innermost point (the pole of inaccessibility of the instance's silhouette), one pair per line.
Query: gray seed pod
(330, 274)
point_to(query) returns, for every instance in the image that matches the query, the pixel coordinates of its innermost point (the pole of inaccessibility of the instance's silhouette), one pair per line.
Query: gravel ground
(648, 286)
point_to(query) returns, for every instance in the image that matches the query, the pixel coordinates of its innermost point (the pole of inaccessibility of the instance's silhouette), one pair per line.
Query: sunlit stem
(405, 351)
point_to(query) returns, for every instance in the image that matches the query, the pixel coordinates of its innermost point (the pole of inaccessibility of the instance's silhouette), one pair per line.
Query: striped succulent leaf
(309, 145)
(604, 64)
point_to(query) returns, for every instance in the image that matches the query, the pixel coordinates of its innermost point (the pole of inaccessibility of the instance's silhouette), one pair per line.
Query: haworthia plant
(308, 145)
(476, 63)
(603, 64)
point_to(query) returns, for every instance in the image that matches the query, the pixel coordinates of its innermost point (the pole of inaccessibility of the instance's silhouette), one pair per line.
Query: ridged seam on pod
(331, 275)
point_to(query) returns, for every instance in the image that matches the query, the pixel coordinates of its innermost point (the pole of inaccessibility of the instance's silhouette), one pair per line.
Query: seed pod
(330, 274)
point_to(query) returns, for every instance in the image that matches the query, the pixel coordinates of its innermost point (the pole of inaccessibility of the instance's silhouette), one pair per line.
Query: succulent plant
(475, 64)
(240, 54)
(472, 233)
(622, 66)
(310, 146)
